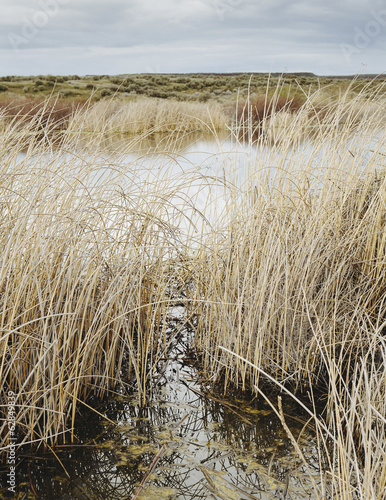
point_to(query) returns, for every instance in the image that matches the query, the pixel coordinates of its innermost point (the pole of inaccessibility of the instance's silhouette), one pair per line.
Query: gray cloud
(117, 36)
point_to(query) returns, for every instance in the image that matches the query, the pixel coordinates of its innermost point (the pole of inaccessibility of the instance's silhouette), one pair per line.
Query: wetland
(195, 315)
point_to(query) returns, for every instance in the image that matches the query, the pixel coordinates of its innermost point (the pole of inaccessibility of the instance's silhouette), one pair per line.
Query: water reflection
(177, 143)
(227, 447)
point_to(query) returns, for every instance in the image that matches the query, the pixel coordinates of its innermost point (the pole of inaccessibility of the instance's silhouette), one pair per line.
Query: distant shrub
(3, 88)
(204, 97)
(200, 85)
(181, 80)
(161, 94)
(106, 92)
(66, 93)
(262, 107)
(132, 88)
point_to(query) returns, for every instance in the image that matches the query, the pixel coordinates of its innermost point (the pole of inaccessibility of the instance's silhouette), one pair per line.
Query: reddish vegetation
(54, 112)
(262, 107)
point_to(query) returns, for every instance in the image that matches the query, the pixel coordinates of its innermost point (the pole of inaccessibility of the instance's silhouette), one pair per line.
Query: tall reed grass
(286, 286)
(320, 112)
(147, 115)
(290, 288)
(43, 113)
(85, 280)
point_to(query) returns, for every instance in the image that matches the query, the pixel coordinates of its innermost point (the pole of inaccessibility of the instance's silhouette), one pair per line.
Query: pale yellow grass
(149, 115)
(287, 286)
(290, 286)
(86, 243)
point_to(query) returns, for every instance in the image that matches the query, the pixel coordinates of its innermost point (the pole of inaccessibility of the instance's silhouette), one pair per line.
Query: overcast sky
(179, 36)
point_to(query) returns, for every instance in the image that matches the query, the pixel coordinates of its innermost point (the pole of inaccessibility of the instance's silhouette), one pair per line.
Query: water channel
(210, 445)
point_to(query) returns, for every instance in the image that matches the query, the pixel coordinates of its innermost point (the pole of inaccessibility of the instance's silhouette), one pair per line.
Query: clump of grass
(306, 234)
(262, 107)
(41, 112)
(299, 113)
(85, 283)
(149, 115)
(293, 284)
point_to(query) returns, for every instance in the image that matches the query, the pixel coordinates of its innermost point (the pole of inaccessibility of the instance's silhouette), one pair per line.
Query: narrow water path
(202, 445)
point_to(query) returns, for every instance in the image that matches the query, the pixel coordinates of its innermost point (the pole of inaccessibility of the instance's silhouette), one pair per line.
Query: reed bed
(150, 115)
(85, 284)
(43, 113)
(282, 269)
(290, 288)
(318, 114)
(307, 248)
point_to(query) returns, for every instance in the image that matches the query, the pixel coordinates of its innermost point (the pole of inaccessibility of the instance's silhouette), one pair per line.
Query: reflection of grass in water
(214, 438)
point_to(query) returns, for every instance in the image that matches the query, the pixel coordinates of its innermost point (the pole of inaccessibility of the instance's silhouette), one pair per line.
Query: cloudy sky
(179, 36)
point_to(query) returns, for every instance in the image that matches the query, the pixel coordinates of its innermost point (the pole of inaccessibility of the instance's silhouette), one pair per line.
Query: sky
(66, 37)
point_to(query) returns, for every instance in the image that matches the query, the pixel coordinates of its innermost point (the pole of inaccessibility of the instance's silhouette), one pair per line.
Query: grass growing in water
(85, 281)
(150, 115)
(291, 279)
(291, 287)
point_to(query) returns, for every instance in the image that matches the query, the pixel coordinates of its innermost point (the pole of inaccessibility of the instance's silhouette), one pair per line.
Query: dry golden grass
(288, 285)
(290, 288)
(85, 282)
(149, 115)
(280, 115)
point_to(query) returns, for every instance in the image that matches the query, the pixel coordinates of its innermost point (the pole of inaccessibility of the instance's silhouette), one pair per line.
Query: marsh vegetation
(167, 102)
(275, 258)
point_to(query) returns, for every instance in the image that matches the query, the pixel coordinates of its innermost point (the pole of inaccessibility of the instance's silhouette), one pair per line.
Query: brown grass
(43, 113)
(259, 108)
